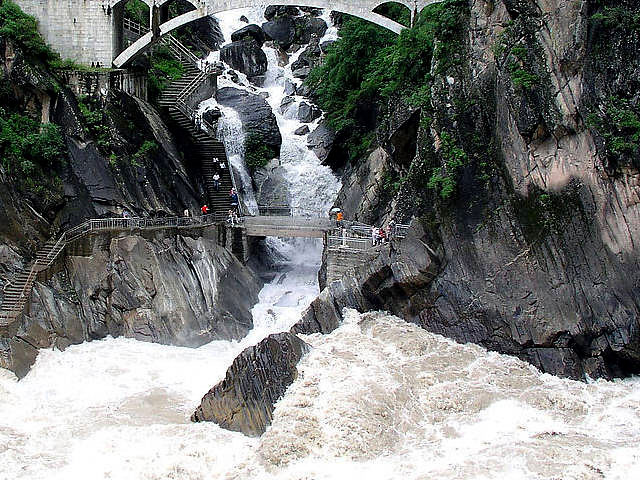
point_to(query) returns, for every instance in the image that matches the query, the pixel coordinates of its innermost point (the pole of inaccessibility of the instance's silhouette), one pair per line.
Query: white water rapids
(376, 399)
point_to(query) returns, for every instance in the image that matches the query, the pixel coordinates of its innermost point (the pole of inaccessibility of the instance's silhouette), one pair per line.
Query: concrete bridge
(91, 31)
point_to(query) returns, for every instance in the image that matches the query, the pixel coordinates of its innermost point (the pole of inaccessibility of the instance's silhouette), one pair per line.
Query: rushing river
(376, 399)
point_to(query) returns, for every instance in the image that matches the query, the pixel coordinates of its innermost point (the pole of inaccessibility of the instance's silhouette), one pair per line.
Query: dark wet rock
(321, 141)
(273, 11)
(287, 102)
(308, 28)
(271, 185)
(175, 290)
(302, 73)
(244, 19)
(399, 271)
(244, 401)
(303, 130)
(245, 56)
(255, 113)
(289, 87)
(250, 31)
(308, 113)
(282, 30)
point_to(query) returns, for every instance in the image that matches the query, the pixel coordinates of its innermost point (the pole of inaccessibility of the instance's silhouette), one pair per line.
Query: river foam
(377, 398)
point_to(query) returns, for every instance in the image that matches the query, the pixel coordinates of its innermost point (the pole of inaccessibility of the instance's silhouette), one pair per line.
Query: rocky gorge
(527, 117)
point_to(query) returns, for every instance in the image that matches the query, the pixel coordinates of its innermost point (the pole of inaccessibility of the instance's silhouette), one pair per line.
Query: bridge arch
(358, 8)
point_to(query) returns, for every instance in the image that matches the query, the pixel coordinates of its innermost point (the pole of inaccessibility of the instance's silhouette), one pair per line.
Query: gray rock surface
(303, 130)
(537, 260)
(176, 290)
(308, 113)
(282, 30)
(246, 56)
(321, 141)
(255, 113)
(259, 376)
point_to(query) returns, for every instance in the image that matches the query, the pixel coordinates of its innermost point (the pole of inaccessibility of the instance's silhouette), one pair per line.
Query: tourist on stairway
(205, 209)
(233, 197)
(216, 182)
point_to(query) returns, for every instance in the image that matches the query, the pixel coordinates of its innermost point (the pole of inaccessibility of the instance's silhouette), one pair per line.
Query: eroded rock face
(176, 290)
(537, 257)
(259, 376)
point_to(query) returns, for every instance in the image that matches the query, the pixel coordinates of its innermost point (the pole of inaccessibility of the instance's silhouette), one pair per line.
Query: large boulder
(250, 31)
(282, 30)
(308, 27)
(273, 11)
(246, 56)
(321, 141)
(308, 113)
(244, 401)
(255, 113)
(169, 289)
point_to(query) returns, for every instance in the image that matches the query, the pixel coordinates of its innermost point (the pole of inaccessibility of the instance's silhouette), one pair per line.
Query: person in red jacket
(204, 209)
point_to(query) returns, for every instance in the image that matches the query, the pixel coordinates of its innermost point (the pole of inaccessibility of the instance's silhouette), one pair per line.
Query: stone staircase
(175, 100)
(18, 292)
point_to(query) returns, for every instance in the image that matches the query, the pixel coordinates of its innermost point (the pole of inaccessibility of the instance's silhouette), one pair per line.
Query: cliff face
(536, 249)
(119, 156)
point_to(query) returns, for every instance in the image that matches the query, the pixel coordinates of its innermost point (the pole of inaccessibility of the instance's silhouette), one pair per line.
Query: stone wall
(101, 83)
(80, 31)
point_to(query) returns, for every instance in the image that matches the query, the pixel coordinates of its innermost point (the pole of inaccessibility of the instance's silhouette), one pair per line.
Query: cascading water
(378, 398)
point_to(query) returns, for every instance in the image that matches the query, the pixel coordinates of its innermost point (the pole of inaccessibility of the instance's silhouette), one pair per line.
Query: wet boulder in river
(245, 56)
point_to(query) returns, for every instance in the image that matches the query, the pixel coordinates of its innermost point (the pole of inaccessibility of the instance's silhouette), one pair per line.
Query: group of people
(380, 236)
(219, 168)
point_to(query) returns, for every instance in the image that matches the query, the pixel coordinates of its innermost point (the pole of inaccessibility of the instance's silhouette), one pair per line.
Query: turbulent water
(377, 399)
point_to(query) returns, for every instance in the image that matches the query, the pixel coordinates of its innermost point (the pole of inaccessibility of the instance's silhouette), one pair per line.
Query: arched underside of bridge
(358, 8)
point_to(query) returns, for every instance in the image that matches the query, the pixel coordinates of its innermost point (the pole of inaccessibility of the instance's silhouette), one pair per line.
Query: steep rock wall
(169, 289)
(538, 254)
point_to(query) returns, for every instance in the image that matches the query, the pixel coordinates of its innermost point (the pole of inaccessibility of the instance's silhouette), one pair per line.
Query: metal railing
(288, 211)
(99, 225)
(134, 27)
(179, 51)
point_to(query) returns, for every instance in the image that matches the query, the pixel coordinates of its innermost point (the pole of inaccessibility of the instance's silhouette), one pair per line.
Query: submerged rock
(308, 113)
(244, 401)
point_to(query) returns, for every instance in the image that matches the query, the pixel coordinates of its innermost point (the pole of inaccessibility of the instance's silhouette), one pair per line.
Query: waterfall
(232, 133)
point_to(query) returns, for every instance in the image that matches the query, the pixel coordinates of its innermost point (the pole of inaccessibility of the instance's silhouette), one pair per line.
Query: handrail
(95, 225)
(134, 26)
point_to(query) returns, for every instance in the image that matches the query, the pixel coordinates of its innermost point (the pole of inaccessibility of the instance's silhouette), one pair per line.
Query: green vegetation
(23, 30)
(257, 153)
(617, 17)
(370, 65)
(138, 11)
(148, 148)
(164, 70)
(31, 153)
(444, 178)
(618, 123)
(95, 121)
(395, 11)
(543, 213)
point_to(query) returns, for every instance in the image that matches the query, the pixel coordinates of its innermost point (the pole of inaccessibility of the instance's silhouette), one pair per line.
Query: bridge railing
(134, 27)
(288, 211)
